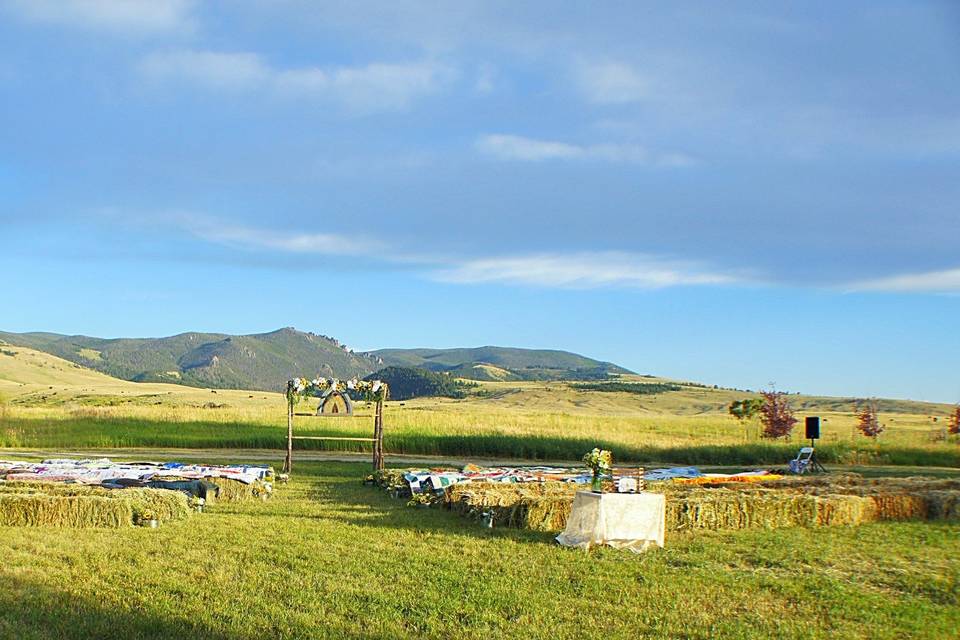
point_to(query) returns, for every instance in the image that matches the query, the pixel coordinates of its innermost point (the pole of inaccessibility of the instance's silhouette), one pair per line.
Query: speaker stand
(814, 463)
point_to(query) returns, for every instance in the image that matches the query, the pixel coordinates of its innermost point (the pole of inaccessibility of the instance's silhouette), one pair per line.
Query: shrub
(867, 420)
(776, 415)
(954, 425)
(745, 409)
(407, 382)
(638, 388)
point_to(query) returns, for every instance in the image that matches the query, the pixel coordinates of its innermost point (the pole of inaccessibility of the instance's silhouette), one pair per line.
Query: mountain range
(266, 360)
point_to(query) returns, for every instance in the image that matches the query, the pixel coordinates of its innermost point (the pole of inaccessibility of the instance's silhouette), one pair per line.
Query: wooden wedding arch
(376, 391)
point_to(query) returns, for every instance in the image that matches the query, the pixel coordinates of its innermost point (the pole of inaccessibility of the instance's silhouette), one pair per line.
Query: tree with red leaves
(868, 422)
(954, 424)
(776, 415)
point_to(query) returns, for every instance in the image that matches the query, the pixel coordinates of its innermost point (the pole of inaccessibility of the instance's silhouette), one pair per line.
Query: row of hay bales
(546, 506)
(60, 505)
(75, 505)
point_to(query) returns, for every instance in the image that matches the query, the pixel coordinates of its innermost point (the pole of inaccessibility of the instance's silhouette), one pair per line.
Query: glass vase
(596, 485)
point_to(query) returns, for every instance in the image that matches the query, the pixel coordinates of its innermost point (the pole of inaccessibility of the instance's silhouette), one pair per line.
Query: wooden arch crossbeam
(375, 390)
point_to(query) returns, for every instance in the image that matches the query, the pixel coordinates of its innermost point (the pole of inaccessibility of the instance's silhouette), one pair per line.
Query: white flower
(376, 386)
(352, 384)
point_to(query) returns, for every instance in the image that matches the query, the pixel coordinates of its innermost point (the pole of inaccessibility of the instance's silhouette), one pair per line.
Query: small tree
(953, 426)
(776, 415)
(868, 422)
(745, 409)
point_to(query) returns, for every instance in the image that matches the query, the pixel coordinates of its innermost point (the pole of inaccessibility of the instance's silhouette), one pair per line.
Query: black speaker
(813, 427)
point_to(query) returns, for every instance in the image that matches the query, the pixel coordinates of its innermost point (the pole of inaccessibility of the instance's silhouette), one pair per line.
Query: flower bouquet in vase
(600, 463)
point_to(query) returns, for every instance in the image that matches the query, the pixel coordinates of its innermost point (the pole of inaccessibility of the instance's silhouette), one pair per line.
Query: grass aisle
(329, 558)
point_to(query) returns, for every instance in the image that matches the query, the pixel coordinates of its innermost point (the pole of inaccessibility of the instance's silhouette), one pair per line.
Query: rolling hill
(31, 378)
(265, 361)
(502, 363)
(258, 361)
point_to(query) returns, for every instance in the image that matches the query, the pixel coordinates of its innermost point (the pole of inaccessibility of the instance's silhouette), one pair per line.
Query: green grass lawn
(330, 558)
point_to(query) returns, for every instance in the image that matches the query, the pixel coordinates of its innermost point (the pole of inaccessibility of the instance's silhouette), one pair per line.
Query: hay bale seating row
(37, 509)
(546, 506)
(48, 504)
(230, 490)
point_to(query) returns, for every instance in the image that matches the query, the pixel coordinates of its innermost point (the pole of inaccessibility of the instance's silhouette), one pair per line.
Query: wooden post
(378, 436)
(288, 463)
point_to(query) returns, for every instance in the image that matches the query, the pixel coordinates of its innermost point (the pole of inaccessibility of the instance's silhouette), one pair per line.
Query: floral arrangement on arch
(369, 389)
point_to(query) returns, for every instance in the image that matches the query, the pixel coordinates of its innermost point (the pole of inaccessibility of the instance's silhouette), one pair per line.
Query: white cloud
(519, 148)
(584, 270)
(510, 147)
(946, 281)
(611, 83)
(208, 68)
(120, 16)
(486, 79)
(570, 270)
(379, 85)
(371, 87)
(245, 237)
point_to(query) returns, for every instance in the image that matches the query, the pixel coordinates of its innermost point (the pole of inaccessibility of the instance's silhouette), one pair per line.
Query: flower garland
(369, 389)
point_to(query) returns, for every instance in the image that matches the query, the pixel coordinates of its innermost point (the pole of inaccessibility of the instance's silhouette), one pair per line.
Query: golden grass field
(49, 401)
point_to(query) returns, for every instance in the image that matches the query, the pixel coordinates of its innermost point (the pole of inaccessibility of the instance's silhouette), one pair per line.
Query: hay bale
(35, 510)
(537, 506)
(165, 505)
(55, 489)
(943, 505)
(730, 509)
(839, 510)
(235, 491)
(893, 506)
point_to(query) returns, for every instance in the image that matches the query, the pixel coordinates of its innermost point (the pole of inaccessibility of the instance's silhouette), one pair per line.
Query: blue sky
(737, 194)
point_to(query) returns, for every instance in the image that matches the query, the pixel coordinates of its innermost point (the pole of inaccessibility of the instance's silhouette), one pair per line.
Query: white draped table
(632, 521)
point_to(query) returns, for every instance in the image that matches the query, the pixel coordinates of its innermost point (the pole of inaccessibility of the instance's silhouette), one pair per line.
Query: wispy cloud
(585, 270)
(611, 83)
(126, 17)
(372, 87)
(255, 238)
(946, 281)
(572, 270)
(486, 79)
(218, 70)
(520, 148)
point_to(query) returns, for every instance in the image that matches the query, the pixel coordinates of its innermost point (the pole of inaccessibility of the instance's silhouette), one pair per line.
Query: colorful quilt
(95, 472)
(436, 480)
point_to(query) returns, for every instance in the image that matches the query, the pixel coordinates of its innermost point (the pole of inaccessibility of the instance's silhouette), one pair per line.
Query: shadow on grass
(370, 506)
(87, 432)
(31, 610)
